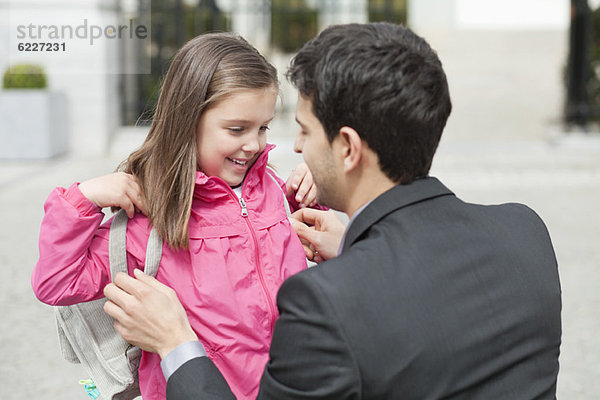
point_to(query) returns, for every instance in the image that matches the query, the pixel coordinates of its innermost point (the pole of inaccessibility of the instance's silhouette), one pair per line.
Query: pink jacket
(240, 253)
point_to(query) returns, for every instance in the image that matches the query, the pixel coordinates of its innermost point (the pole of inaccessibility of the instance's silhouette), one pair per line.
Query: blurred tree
(577, 109)
(174, 22)
(293, 23)
(594, 55)
(206, 17)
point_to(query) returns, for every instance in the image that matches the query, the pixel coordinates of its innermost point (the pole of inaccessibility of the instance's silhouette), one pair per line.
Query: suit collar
(397, 197)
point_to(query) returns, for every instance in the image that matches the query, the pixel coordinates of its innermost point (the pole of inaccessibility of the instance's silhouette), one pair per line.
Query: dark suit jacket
(431, 298)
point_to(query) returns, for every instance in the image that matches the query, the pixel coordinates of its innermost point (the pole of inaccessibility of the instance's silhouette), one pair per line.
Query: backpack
(87, 335)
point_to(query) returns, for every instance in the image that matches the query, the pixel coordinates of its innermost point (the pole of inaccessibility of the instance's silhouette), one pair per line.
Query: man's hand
(147, 313)
(319, 231)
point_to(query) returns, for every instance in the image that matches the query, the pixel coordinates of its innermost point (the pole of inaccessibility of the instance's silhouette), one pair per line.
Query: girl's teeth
(238, 162)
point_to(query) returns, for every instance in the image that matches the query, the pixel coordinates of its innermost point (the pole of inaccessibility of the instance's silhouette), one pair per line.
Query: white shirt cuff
(180, 355)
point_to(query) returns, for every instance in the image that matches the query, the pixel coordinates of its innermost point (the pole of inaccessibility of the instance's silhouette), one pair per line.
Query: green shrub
(25, 76)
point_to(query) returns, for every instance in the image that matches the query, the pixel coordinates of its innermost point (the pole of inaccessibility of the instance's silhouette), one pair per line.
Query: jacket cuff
(74, 197)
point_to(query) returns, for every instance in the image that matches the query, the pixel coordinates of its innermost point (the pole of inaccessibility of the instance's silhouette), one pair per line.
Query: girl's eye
(236, 129)
(264, 128)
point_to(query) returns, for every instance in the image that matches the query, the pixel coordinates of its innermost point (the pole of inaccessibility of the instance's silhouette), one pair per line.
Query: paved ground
(560, 180)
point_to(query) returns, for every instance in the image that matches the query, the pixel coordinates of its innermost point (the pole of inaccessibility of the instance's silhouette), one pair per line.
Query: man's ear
(350, 146)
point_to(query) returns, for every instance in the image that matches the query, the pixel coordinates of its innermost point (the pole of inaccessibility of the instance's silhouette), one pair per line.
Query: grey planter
(33, 124)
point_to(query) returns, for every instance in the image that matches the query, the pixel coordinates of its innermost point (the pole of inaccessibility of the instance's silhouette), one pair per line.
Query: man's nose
(298, 143)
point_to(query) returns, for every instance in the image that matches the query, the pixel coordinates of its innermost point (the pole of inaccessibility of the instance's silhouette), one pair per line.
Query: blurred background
(523, 76)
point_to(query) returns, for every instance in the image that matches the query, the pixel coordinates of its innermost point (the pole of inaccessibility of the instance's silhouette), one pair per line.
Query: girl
(201, 178)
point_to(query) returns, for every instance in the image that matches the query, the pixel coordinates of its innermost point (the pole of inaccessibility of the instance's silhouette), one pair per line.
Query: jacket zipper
(244, 213)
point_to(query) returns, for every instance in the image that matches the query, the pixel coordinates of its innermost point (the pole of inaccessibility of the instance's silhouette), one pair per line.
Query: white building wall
(83, 71)
(340, 11)
(504, 61)
(251, 19)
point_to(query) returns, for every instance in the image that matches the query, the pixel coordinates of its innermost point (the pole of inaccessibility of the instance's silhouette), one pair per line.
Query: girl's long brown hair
(203, 71)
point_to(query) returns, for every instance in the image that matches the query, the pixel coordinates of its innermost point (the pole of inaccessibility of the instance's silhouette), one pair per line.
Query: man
(429, 298)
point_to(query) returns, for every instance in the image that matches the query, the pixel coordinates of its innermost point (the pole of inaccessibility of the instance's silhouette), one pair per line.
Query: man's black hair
(385, 82)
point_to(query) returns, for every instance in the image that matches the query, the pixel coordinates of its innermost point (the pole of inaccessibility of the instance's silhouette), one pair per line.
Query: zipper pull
(244, 209)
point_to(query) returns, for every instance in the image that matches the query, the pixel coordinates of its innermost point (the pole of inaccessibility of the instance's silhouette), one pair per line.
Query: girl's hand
(115, 190)
(301, 182)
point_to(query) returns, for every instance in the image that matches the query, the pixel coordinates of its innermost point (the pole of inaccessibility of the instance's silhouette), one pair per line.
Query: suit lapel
(397, 197)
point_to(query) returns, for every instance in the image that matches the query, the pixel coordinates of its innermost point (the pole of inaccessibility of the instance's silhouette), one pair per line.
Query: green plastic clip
(90, 388)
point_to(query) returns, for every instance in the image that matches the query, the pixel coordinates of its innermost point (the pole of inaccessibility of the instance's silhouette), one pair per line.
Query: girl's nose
(252, 144)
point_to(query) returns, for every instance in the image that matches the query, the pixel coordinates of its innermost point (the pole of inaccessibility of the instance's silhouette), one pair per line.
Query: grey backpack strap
(118, 252)
(66, 348)
(117, 237)
(286, 204)
(86, 332)
(118, 262)
(153, 253)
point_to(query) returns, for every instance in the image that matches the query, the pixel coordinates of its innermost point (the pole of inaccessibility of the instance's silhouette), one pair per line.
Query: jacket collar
(206, 185)
(397, 197)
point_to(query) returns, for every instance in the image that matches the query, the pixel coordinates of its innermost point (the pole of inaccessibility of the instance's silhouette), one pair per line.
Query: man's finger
(116, 294)
(128, 284)
(309, 250)
(123, 331)
(151, 281)
(305, 233)
(318, 258)
(114, 310)
(307, 216)
(310, 255)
